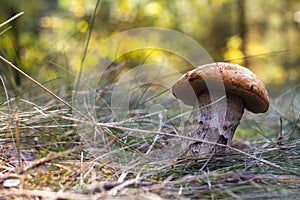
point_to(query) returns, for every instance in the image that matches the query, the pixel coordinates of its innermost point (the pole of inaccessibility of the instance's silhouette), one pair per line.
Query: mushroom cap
(236, 80)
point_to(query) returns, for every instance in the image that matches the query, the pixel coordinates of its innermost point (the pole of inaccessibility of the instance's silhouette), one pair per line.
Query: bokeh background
(48, 41)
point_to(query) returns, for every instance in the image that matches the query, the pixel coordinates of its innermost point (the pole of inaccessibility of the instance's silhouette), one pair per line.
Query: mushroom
(218, 92)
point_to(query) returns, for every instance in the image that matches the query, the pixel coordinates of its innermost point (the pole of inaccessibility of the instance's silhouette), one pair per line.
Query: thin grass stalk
(18, 144)
(11, 19)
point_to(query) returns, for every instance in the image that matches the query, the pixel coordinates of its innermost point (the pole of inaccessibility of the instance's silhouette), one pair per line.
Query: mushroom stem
(213, 119)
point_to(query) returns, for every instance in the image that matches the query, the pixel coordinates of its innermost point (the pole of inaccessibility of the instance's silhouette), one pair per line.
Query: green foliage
(55, 31)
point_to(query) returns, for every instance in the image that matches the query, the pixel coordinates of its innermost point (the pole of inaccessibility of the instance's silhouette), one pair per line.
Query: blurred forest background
(48, 41)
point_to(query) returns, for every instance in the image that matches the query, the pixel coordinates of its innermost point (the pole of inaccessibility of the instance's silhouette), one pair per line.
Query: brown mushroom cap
(237, 80)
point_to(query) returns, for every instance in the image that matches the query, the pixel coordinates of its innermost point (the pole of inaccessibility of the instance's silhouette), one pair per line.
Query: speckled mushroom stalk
(213, 120)
(217, 111)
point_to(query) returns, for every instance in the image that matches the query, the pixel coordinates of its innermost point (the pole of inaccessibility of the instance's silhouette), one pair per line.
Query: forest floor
(42, 156)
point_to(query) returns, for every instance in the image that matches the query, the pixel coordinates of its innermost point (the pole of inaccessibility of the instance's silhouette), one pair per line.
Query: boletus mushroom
(219, 93)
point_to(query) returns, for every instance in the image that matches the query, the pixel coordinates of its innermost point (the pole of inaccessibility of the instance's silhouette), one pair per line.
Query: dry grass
(54, 163)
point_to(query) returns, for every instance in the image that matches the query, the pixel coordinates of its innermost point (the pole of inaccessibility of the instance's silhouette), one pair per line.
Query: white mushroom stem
(214, 120)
